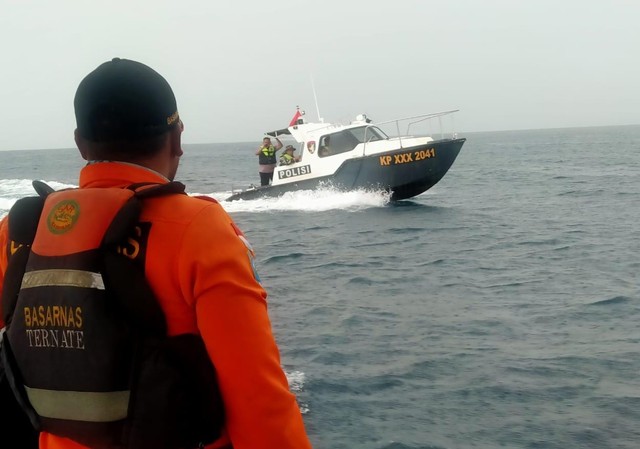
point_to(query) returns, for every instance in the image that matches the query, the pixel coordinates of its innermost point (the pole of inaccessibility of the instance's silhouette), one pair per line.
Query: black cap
(289, 147)
(124, 100)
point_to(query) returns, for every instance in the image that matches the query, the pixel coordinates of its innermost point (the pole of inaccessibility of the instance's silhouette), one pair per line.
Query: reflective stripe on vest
(267, 155)
(62, 278)
(79, 405)
(269, 151)
(286, 159)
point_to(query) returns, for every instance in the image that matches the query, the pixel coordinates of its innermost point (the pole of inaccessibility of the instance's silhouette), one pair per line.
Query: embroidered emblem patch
(63, 216)
(250, 253)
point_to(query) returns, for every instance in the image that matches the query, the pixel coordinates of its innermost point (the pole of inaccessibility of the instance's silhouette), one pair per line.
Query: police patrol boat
(360, 155)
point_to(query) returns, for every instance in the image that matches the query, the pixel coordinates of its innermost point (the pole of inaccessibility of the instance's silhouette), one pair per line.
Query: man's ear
(80, 143)
(175, 141)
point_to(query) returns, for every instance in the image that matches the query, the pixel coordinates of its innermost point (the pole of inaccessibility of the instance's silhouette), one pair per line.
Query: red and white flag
(295, 118)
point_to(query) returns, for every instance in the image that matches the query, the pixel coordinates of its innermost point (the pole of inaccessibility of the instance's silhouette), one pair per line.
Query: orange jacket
(201, 272)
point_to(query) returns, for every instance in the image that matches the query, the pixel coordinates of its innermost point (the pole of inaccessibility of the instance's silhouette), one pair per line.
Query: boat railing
(425, 119)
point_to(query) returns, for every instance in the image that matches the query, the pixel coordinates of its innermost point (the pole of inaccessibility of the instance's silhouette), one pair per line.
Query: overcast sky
(239, 68)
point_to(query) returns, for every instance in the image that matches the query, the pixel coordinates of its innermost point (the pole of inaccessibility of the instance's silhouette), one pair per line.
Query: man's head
(126, 111)
(266, 141)
(289, 149)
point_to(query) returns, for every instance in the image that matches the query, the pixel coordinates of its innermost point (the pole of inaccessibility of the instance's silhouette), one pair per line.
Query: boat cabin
(331, 139)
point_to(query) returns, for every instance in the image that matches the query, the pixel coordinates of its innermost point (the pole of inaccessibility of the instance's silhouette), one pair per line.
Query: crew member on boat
(288, 157)
(267, 159)
(325, 149)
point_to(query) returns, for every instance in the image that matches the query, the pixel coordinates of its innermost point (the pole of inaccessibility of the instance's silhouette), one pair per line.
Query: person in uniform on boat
(325, 149)
(288, 157)
(267, 159)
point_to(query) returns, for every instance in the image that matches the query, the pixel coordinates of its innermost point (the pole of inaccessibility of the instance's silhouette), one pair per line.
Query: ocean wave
(611, 301)
(329, 265)
(284, 257)
(361, 386)
(397, 445)
(364, 280)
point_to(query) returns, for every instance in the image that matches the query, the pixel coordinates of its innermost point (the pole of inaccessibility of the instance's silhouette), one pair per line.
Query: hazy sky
(239, 68)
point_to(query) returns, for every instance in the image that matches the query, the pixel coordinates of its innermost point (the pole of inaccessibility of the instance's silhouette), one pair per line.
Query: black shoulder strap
(124, 278)
(126, 218)
(149, 190)
(42, 188)
(25, 214)
(23, 223)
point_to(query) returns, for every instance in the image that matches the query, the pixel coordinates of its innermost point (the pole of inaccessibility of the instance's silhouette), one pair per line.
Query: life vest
(286, 159)
(267, 155)
(86, 351)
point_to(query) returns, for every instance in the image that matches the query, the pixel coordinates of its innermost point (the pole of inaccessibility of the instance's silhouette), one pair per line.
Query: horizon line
(459, 132)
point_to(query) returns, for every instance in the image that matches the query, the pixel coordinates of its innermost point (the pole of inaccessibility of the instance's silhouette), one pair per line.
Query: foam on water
(13, 189)
(319, 200)
(296, 382)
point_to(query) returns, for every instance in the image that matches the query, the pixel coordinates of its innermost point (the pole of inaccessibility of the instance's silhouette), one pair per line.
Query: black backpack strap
(197, 414)
(42, 188)
(126, 219)
(23, 219)
(146, 190)
(15, 414)
(23, 223)
(126, 280)
(124, 277)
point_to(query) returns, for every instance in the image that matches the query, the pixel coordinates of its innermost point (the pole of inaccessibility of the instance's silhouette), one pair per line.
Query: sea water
(500, 309)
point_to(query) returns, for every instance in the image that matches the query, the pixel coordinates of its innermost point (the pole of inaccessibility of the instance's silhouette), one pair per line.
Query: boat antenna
(315, 97)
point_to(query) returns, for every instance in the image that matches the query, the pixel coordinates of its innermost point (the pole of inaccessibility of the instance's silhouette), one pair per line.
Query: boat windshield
(368, 134)
(348, 139)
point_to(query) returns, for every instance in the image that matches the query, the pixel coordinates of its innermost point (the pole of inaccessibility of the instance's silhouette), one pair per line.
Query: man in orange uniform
(197, 262)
